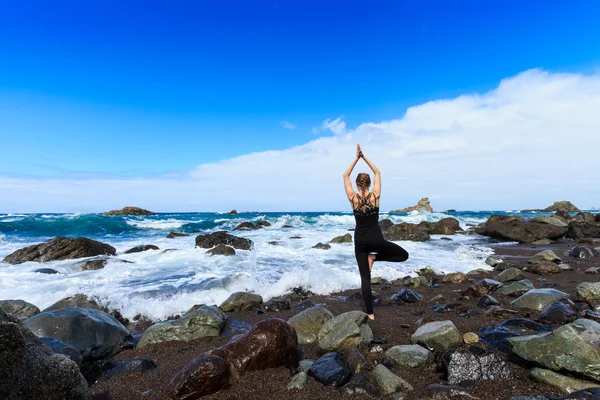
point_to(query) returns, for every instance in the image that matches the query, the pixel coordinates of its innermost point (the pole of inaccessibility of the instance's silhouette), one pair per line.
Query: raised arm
(377, 180)
(347, 184)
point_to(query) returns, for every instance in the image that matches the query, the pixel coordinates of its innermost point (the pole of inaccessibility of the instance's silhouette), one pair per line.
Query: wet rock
(552, 220)
(93, 333)
(497, 336)
(358, 363)
(504, 265)
(129, 211)
(298, 381)
(490, 284)
(545, 267)
(271, 343)
(140, 248)
(494, 260)
(206, 321)
(47, 271)
(30, 370)
(446, 392)
(486, 301)
(413, 356)
(407, 296)
(76, 301)
(245, 226)
(572, 347)
(565, 384)
(585, 394)
(456, 277)
(173, 235)
(344, 332)
(221, 237)
(221, 250)
(377, 280)
(583, 252)
(546, 255)
(511, 275)
(277, 305)
(461, 365)
(438, 336)
(331, 370)
(19, 308)
(241, 301)
(263, 224)
(388, 382)
(60, 248)
(322, 246)
(589, 292)
(580, 230)
(559, 312)
(537, 299)
(516, 289)
(520, 230)
(406, 231)
(93, 265)
(59, 347)
(445, 226)
(309, 322)
(129, 366)
(347, 238)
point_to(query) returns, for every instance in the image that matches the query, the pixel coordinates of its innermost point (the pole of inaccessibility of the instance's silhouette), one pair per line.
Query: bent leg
(362, 258)
(388, 251)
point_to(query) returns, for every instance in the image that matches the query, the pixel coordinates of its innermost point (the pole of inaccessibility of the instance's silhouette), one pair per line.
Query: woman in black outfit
(369, 244)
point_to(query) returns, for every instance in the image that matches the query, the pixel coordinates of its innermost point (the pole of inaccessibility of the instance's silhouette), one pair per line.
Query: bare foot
(372, 317)
(372, 258)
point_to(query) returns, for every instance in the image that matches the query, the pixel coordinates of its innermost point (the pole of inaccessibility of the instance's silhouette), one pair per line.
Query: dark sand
(271, 384)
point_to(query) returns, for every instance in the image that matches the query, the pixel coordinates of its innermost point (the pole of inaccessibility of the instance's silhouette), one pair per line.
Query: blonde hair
(363, 181)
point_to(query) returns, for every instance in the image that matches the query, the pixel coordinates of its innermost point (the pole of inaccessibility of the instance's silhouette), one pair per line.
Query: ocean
(159, 284)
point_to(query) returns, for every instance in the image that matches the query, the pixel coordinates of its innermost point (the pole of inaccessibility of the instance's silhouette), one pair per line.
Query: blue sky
(122, 90)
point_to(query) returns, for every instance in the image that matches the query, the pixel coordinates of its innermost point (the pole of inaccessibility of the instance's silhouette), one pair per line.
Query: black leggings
(386, 251)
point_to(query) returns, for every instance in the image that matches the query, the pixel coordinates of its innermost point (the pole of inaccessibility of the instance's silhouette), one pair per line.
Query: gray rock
(412, 355)
(415, 282)
(538, 299)
(546, 255)
(510, 275)
(572, 347)
(377, 280)
(30, 370)
(305, 365)
(552, 220)
(47, 271)
(388, 382)
(504, 265)
(206, 321)
(298, 381)
(222, 250)
(140, 248)
(347, 238)
(322, 246)
(462, 365)
(60, 248)
(241, 301)
(583, 252)
(438, 336)
(93, 333)
(589, 292)
(309, 322)
(19, 308)
(344, 332)
(221, 237)
(59, 347)
(76, 301)
(516, 289)
(521, 231)
(565, 384)
(492, 261)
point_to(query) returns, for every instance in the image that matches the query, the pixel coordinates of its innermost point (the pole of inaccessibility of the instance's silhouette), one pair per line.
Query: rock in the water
(129, 211)
(271, 343)
(347, 238)
(545, 267)
(462, 365)
(423, 205)
(222, 250)
(573, 347)
(60, 248)
(519, 230)
(438, 336)
(565, 384)
(331, 370)
(516, 289)
(546, 255)
(309, 322)
(129, 366)
(76, 301)
(456, 277)
(486, 301)
(241, 301)
(30, 370)
(47, 271)
(142, 247)
(493, 260)
(510, 275)
(19, 308)
(322, 246)
(388, 382)
(412, 355)
(559, 312)
(93, 264)
(245, 226)
(173, 235)
(93, 333)
(497, 336)
(298, 381)
(583, 252)
(537, 299)
(62, 348)
(205, 321)
(344, 332)
(445, 226)
(589, 292)
(407, 231)
(407, 296)
(221, 237)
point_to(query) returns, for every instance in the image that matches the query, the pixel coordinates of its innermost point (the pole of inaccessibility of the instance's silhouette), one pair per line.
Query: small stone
(305, 365)
(493, 260)
(377, 280)
(592, 270)
(486, 301)
(470, 338)
(298, 381)
(546, 255)
(511, 275)
(331, 370)
(537, 299)
(456, 277)
(388, 382)
(516, 289)
(545, 267)
(438, 336)
(413, 356)
(504, 265)
(407, 296)
(438, 298)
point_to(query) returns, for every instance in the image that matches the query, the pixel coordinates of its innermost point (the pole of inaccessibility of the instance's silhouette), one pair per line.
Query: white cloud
(530, 141)
(288, 125)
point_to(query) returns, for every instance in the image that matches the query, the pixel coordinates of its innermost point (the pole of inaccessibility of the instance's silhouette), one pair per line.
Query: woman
(369, 244)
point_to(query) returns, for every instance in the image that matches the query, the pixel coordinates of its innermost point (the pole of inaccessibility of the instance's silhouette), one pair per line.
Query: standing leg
(362, 259)
(388, 251)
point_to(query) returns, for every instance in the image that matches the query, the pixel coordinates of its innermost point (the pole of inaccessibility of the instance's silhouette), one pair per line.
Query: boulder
(222, 250)
(59, 347)
(572, 347)
(344, 332)
(271, 343)
(545, 267)
(445, 226)
(60, 248)
(486, 301)
(406, 231)
(560, 312)
(76, 301)
(30, 370)
(388, 382)
(93, 264)
(437, 336)
(385, 224)
(497, 336)
(565, 384)
(322, 246)
(583, 252)
(241, 301)
(173, 235)
(504, 265)
(221, 237)
(206, 321)
(331, 370)
(585, 216)
(422, 205)
(516, 289)
(510, 275)
(47, 271)
(553, 220)
(298, 381)
(309, 322)
(493, 260)
(579, 230)
(538, 299)
(521, 231)
(406, 296)
(412, 355)
(245, 226)
(347, 238)
(456, 277)
(19, 308)
(461, 365)
(277, 305)
(93, 333)
(129, 211)
(142, 247)
(589, 292)
(546, 255)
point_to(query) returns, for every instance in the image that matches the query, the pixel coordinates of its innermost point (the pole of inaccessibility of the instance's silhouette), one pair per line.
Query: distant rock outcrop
(422, 205)
(129, 211)
(558, 206)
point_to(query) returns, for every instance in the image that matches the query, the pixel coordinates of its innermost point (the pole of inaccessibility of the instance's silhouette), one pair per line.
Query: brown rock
(545, 267)
(422, 205)
(129, 211)
(60, 248)
(406, 231)
(456, 277)
(475, 291)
